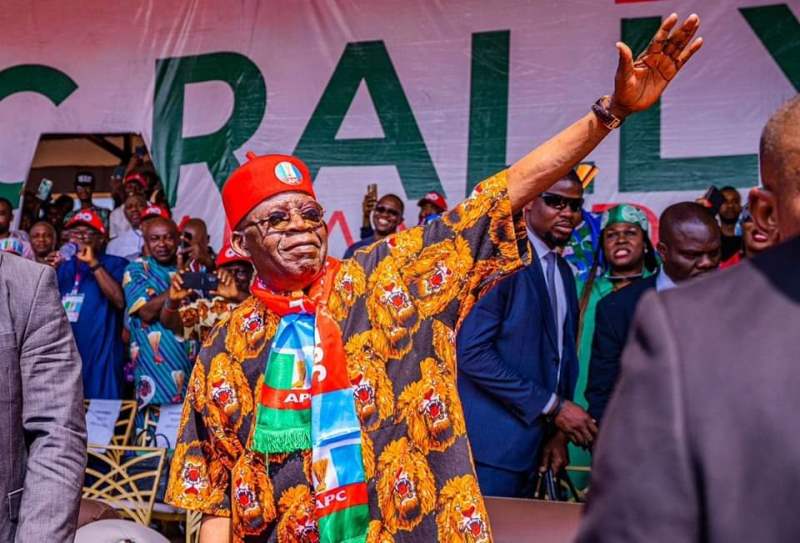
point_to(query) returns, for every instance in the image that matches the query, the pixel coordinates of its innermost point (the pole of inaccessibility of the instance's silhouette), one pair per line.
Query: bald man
(161, 359)
(689, 246)
(699, 442)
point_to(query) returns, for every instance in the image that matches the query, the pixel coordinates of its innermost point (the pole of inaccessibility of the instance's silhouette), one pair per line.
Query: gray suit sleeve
(642, 483)
(52, 419)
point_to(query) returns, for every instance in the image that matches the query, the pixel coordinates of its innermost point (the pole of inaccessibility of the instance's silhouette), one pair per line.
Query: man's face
(84, 192)
(695, 250)
(427, 208)
(84, 235)
(134, 205)
(160, 238)
(133, 188)
(242, 273)
(287, 240)
(731, 208)
(43, 240)
(5, 218)
(623, 245)
(551, 216)
(387, 216)
(755, 240)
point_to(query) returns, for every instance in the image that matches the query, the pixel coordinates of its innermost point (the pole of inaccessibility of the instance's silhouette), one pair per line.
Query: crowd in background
(538, 356)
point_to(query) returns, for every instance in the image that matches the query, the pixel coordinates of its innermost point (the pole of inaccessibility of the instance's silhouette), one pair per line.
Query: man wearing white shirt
(517, 359)
(129, 243)
(689, 246)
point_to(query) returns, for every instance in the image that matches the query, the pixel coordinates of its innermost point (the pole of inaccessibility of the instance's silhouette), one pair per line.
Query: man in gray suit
(700, 441)
(42, 430)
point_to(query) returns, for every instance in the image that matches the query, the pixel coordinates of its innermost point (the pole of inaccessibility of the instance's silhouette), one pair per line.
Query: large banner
(413, 95)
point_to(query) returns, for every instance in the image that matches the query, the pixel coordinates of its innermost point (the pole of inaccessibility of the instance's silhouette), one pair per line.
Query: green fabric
(281, 430)
(625, 213)
(601, 287)
(345, 526)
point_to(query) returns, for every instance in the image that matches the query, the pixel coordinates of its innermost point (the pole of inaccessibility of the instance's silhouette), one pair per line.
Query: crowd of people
(349, 398)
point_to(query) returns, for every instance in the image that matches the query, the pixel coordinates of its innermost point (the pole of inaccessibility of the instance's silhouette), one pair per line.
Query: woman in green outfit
(625, 254)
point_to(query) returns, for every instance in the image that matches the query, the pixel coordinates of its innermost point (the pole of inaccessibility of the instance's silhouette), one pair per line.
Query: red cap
(90, 218)
(153, 210)
(227, 256)
(262, 177)
(136, 177)
(435, 198)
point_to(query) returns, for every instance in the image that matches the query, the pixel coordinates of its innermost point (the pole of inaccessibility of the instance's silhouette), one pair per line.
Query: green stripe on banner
(345, 526)
(280, 370)
(11, 192)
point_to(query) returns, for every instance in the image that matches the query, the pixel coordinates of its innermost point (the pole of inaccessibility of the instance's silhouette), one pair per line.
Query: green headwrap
(625, 213)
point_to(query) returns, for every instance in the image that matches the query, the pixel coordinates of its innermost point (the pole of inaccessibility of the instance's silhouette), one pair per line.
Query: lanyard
(77, 282)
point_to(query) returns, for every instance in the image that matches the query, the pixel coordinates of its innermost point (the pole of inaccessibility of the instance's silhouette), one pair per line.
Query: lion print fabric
(398, 304)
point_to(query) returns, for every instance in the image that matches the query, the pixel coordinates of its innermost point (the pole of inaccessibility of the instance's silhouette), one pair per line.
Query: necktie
(550, 265)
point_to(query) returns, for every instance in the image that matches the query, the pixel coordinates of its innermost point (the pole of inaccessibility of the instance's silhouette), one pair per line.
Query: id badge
(72, 305)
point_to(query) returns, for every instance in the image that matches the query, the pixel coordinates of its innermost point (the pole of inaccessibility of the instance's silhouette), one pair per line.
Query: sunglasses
(556, 201)
(280, 220)
(387, 211)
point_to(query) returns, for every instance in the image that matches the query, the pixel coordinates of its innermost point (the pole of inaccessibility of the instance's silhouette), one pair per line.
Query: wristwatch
(609, 120)
(95, 267)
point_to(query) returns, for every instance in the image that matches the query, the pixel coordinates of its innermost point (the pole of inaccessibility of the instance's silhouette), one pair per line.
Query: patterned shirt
(161, 359)
(398, 305)
(199, 317)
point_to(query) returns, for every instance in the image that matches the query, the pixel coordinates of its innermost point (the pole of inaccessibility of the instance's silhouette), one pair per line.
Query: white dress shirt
(541, 249)
(663, 281)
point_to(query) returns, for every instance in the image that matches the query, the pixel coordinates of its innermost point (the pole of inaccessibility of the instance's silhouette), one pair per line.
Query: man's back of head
(776, 207)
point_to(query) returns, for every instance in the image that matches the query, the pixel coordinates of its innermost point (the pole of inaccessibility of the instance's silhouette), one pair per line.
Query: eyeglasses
(387, 211)
(556, 201)
(84, 234)
(280, 220)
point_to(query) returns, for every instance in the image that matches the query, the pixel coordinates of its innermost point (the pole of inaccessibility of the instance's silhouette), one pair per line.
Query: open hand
(176, 290)
(227, 286)
(639, 83)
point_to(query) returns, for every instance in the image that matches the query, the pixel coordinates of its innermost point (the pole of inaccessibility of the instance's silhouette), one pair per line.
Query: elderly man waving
(324, 409)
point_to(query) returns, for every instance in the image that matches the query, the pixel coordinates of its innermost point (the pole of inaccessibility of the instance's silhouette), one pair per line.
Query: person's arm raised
(638, 85)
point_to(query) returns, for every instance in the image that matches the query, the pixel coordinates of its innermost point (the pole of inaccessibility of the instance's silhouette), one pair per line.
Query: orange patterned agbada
(398, 304)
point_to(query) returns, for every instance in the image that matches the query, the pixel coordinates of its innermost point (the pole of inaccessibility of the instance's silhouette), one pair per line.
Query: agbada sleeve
(199, 479)
(443, 266)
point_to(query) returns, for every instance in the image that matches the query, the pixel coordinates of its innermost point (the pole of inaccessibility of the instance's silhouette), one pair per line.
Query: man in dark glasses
(386, 217)
(517, 361)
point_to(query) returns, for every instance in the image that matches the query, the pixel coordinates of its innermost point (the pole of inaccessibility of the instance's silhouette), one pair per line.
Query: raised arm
(637, 86)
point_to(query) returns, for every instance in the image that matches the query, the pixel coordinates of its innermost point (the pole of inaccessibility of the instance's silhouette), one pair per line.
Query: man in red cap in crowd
(196, 319)
(91, 290)
(431, 207)
(135, 184)
(325, 408)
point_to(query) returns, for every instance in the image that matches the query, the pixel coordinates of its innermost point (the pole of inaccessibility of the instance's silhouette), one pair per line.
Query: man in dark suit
(678, 460)
(689, 246)
(42, 433)
(517, 359)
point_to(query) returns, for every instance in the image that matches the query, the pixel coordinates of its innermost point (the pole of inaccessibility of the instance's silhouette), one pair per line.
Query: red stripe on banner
(284, 399)
(341, 498)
